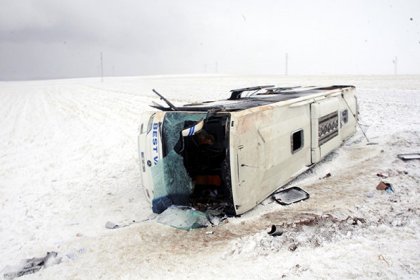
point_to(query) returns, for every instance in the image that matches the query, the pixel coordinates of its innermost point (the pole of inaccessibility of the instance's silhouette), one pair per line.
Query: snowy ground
(68, 164)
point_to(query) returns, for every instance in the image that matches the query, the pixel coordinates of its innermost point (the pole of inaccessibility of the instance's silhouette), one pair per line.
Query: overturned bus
(232, 154)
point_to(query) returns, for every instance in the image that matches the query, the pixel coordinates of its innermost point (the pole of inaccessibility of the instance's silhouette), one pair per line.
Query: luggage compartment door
(325, 127)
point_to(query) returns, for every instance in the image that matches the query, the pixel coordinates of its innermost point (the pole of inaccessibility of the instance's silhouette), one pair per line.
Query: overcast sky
(58, 39)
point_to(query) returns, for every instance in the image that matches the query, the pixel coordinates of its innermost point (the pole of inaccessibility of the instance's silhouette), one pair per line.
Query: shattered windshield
(172, 184)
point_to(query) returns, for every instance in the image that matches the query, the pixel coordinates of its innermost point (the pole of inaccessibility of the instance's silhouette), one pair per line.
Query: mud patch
(309, 230)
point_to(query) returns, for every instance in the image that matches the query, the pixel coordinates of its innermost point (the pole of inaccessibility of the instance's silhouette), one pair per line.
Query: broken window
(297, 140)
(194, 167)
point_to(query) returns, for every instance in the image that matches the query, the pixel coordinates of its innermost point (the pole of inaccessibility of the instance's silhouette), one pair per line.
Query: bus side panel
(262, 156)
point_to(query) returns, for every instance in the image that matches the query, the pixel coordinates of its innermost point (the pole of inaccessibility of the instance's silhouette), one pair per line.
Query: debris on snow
(293, 247)
(326, 176)
(383, 186)
(215, 216)
(382, 175)
(411, 156)
(29, 266)
(111, 225)
(275, 231)
(290, 195)
(183, 217)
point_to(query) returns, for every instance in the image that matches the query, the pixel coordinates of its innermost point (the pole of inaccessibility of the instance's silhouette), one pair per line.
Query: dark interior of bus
(206, 159)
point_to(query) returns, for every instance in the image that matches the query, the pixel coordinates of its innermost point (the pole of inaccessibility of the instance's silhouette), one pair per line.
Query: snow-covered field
(68, 164)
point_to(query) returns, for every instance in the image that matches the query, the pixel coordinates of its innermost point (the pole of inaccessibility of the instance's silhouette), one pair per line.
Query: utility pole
(395, 62)
(286, 66)
(102, 68)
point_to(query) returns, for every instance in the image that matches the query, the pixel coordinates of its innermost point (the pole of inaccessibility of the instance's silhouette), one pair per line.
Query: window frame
(302, 139)
(345, 116)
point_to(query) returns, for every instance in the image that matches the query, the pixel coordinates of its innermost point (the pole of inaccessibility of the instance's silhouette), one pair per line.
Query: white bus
(231, 154)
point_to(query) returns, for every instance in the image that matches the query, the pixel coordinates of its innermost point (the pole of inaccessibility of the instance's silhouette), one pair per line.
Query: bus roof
(250, 97)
